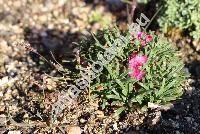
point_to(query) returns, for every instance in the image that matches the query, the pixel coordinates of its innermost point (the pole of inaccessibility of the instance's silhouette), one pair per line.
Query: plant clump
(143, 68)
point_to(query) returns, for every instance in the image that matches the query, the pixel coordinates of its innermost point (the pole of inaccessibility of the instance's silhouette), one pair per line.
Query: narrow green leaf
(119, 111)
(162, 88)
(117, 67)
(144, 86)
(113, 97)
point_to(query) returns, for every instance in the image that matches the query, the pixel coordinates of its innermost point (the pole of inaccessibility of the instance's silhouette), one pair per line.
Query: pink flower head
(136, 73)
(143, 43)
(142, 37)
(135, 62)
(139, 35)
(148, 38)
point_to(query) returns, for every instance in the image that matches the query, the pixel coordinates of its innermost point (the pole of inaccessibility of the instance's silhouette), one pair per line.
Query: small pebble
(73, 130)
(82, 120)
(115, 126)
(177, 117)
(14, 132)
(189, 119)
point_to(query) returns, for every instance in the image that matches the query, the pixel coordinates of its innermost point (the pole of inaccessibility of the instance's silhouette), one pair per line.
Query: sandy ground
(53, 26)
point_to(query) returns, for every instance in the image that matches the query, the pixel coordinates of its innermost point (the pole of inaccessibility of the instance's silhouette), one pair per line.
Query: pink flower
(135, 62)
(148, 38)
(142, 37)
(136, 73)
(139, 35)
(143, 43)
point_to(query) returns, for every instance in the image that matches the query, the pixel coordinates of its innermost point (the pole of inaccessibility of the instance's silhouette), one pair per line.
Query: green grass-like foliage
(183, 14)
(161, 84)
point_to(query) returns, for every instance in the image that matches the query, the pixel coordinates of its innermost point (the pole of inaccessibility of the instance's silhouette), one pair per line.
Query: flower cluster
(136, 61)
(144, 38)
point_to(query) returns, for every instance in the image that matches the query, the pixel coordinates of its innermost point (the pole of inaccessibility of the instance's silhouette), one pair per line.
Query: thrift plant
(146, 70)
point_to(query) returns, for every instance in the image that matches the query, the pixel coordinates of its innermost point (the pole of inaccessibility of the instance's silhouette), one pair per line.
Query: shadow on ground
(32, 100)
(53, 44)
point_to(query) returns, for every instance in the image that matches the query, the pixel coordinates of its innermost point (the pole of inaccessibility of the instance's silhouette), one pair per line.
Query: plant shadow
(53, 45)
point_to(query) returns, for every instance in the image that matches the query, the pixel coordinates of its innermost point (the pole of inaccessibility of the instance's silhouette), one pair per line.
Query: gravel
(54, 25)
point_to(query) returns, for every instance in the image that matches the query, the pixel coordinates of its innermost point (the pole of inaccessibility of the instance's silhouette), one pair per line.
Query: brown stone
(73, 130)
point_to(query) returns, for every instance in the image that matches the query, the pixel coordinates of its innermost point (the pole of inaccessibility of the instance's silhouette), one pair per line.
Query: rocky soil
(29, 84)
